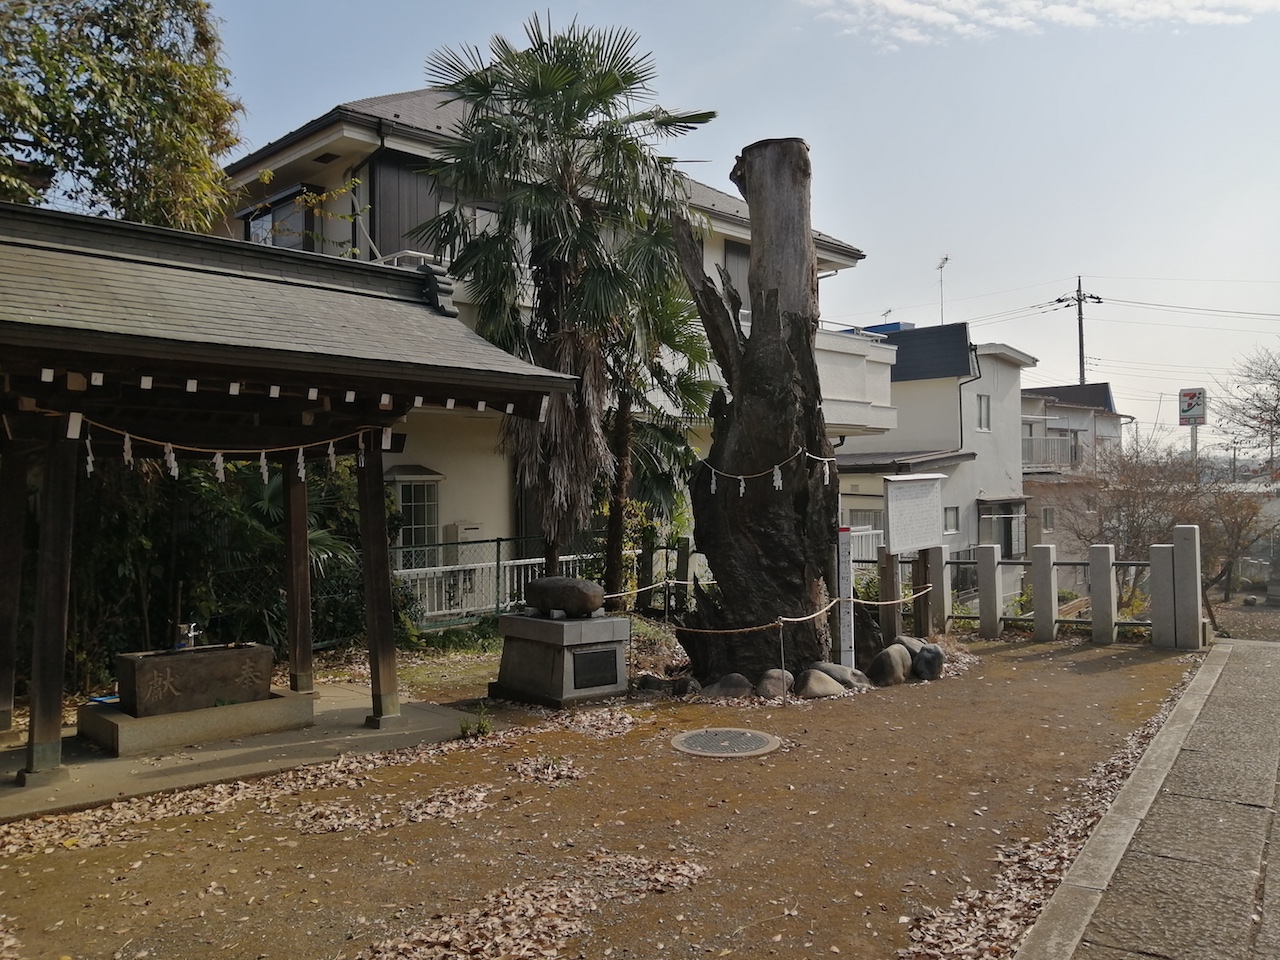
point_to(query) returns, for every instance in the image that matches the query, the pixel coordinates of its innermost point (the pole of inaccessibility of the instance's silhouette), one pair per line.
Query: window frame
(414, 555)
(984, 412)
(266, 210)
(950, 519)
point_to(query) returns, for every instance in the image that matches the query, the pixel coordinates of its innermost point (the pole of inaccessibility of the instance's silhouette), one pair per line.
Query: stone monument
(562, 649)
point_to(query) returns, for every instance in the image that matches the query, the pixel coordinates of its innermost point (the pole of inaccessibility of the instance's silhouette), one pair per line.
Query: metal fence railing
(459, 581)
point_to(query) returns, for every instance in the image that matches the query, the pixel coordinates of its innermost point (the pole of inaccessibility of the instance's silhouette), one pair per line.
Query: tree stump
(765, 500)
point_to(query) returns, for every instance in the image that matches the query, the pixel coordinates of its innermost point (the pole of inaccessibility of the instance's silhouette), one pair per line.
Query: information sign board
(913, 512)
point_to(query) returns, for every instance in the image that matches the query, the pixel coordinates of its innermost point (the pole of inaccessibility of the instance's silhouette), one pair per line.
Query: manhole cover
(725, 742)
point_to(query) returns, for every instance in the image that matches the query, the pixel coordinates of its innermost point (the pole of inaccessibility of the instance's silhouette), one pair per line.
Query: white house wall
(478, 486)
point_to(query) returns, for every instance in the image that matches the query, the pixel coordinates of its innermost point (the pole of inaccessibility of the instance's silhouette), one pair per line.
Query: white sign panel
(913, 512)
(844, 577)
(1192, 407)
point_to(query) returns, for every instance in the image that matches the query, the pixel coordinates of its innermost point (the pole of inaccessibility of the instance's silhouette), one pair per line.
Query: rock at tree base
(926, 664)
(671, 687)
(774, 684)
(730, 685)
(911, 643)
(891, 666)
(845, 676)
(815, 683)
(686, 687)
(577, 598)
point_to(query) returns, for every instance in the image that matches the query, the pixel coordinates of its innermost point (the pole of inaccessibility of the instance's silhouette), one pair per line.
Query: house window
(950, 519)
(737, 260)
(984, 411)
(1046, 519)
(419, 538)
(281, 220)
(1004, 523)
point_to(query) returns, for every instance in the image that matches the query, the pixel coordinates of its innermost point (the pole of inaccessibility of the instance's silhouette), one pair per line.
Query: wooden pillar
(890, 590)
(922, 605)
(297, 573)
(53, 587)
(13, 519)
(940, 577)
(376, 552)
(990, 591)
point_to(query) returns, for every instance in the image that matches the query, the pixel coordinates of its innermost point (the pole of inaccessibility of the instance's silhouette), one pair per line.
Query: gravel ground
(926, 820)
(1258, 622)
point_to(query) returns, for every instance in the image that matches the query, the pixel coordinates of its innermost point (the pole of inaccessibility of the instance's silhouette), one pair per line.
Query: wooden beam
(53, 586)
(297, 572)
(376, 560)
(13, 517)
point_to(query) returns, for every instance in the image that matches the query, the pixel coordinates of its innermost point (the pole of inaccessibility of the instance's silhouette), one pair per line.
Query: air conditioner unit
(456, 533)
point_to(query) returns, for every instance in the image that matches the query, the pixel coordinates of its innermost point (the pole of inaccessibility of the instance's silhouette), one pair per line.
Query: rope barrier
(781, 620)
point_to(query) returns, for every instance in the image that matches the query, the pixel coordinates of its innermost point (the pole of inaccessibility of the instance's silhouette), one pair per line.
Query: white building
(959, 407)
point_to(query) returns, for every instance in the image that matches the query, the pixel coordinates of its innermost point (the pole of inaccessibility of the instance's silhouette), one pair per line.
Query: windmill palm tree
(557, 147)
(659, 380)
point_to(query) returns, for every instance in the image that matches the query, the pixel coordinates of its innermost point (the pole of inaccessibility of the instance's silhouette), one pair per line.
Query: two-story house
(1066, 431)
(360, 165)
(958, 406)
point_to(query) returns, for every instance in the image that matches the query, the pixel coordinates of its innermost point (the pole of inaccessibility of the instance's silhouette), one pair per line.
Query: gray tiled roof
(1078, 394)
(425, 110)
(65, 273)
(899, 461)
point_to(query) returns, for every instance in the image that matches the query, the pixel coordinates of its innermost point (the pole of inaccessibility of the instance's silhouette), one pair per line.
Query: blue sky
(1134, 143)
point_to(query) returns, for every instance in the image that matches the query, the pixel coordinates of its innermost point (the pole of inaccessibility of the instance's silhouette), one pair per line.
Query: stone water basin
(191, 678)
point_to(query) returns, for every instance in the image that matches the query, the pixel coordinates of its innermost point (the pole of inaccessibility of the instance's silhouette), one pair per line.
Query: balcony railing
(1057, 452)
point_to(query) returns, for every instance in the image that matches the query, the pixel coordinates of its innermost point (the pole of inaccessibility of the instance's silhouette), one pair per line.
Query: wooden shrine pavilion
(147, 342)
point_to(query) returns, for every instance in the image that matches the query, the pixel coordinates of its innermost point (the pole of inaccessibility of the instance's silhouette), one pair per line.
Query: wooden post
(990, 592)
(13, 517)
(376, 551)
(681, 591)
(922, 605)
(940, 577)
(644, 573)
(297, 574)
(890, 589)
(53, 587)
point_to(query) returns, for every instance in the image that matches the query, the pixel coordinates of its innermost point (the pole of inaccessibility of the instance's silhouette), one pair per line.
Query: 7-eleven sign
(1192, 407)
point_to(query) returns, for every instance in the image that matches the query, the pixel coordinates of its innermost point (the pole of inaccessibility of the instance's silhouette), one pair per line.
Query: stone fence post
(1164, 620)
(1188, 606)
(990, 602)
(1102, 591)
(1044, 590)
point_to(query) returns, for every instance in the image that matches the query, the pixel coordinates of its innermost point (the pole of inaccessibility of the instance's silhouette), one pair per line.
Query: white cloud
(894, 22)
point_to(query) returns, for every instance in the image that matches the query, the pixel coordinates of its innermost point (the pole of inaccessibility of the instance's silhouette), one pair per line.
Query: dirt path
(878, 809)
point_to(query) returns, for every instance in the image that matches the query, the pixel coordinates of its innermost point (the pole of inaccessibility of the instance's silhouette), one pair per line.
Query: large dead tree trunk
(768, 548)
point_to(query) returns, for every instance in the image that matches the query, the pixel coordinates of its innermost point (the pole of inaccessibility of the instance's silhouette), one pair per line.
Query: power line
(1194, 311)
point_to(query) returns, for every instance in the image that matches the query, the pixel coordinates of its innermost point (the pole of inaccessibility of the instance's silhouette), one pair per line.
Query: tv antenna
(942, 319)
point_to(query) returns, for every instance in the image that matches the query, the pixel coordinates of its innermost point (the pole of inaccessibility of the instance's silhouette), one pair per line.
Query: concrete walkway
(1177, 868)
(95, 778)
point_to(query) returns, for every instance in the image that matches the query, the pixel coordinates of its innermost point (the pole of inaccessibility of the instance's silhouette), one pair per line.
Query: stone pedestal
(556, 663)
(123, 735)
(172, 681)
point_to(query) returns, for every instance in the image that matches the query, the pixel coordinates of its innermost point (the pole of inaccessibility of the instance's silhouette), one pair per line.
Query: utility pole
(1079, 297)
(942, 301)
